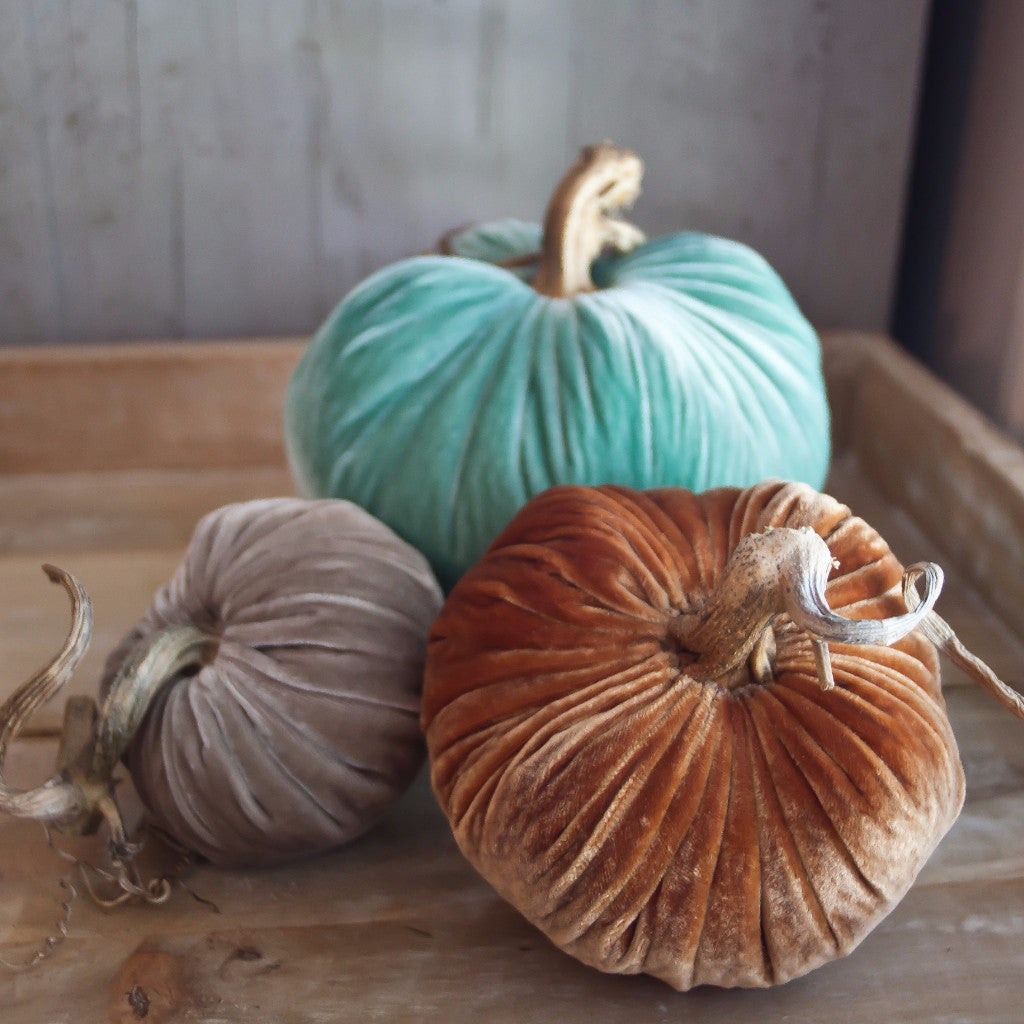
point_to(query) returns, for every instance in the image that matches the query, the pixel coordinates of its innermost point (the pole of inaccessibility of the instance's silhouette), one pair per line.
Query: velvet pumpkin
(446, 390)
(267, 703)
(656, 775)
(301, 729)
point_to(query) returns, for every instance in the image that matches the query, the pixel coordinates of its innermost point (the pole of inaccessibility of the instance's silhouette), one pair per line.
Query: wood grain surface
(397, 927)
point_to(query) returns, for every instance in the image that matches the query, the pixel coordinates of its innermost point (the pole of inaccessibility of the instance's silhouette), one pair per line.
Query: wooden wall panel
(218, 168)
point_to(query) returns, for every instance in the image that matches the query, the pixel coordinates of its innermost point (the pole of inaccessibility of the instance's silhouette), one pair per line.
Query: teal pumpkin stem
(581, 220)
(782, 571)
(444, 391)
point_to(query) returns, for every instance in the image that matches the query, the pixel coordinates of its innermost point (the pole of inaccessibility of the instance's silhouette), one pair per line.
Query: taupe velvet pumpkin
(657, 806)
(300, 727)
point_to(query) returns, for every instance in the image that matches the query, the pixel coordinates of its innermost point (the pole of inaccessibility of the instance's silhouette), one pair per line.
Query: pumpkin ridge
(575, 334)
(562, 722)
(645, 546)
(702, 358)
(276, 674)
(541, 558)
(906, 699)
(544, 393)
(741, 712)
(853, 538)
(935, 744)
(696, 296)
(647, 683)
(881, 770)
(684, 558)
(230, 737)
(558, 710)
(444, 373)
(701, 807)
(719, 547)
(701, 954)
(741, 512)
(838, 846)
(647, 920)
(350, 822)
(504, 695)
(623, 338)
(701, 556)
(259, 712)
(680, 873)
(716, 318)
(602, 834)
(597, 852)
(645, 417)
(299, 789)
(717, 541)
(898, 795)
(179, 771)
(904, 667)
(684, 744)
(765, 790)
(401, 616)
(509, 335)
(640, 679)
(793, 504)
(449, 785)
(635, 544)
(909, 697)
(772, 695)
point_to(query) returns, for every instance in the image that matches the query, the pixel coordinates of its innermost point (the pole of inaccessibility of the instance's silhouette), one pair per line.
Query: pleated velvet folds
(304, 726)
(648, 822)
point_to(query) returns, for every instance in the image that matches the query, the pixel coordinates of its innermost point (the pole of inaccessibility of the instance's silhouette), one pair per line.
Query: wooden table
(109, 455)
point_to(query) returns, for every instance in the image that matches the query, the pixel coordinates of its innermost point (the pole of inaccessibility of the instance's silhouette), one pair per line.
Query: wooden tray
(108, 455)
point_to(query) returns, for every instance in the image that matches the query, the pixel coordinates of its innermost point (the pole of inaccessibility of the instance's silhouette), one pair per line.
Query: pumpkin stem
(581, 220)
(80, 795)
(941, 634)
(154, 661)
(57, 799)
(782, 571)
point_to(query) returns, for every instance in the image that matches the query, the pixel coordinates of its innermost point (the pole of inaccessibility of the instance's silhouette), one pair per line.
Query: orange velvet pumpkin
(737, 830)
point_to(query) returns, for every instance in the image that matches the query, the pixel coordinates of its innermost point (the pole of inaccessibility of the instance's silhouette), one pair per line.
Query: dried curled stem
(81, 793)
(581, 222)
(151, 663)
(49, 945)
(582, 218)
(57, 799)
(784, 571)
(940, 633)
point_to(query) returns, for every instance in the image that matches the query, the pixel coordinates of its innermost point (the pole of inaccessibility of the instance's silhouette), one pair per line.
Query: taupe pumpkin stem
(154, 661)
(941, 634)
(93, 742)
(80, 795)
(581, 220)
(57, 799)
(783, 571)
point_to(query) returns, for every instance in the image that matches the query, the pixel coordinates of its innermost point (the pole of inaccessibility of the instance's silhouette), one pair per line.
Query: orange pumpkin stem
(781, 572)
(941, 634)
(581, 220)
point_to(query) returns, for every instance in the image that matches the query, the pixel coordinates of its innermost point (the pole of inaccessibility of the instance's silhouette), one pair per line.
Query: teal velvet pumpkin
(445, 391)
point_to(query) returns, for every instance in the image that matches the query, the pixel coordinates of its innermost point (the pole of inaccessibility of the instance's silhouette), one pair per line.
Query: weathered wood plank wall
(218, 167)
